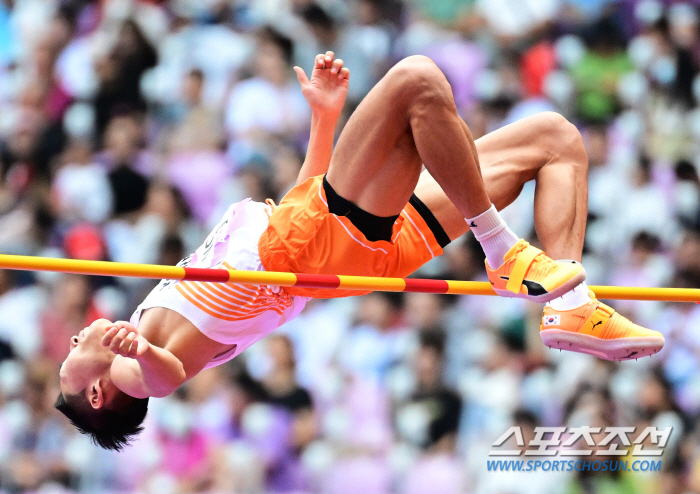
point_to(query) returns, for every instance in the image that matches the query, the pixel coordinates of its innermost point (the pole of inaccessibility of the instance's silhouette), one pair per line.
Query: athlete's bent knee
(562, 138)
(421, 84)
(416, 66)
(418, 74)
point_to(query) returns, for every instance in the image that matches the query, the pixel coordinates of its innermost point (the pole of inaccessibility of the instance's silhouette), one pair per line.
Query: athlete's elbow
(179, 377)
(176, 378)
(163, 391)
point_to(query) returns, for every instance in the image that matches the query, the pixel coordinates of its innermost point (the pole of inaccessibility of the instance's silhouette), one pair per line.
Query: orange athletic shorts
(304, 237)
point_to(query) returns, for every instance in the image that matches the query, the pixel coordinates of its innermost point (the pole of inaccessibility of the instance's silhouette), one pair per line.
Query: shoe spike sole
(615, 349)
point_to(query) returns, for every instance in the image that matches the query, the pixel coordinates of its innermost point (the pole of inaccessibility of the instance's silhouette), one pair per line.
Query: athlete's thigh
(375, 164)
(509, 157)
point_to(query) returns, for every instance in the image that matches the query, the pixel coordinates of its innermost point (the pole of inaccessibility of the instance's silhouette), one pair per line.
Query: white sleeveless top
(230, 313)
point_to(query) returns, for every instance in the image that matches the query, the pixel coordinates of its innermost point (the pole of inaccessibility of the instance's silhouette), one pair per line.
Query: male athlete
(365, 209)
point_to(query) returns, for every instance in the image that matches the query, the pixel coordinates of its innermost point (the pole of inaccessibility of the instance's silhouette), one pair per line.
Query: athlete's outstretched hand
(123, 339)
(328, 87)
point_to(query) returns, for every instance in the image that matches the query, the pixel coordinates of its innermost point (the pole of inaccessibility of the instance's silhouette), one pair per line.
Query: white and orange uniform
(299, 236)
(230, 313)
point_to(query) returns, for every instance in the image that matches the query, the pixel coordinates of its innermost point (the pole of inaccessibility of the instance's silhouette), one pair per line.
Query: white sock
(493, 234)
(571, 299)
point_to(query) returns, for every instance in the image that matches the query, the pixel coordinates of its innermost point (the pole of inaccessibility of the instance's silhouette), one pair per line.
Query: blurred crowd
(128, 127)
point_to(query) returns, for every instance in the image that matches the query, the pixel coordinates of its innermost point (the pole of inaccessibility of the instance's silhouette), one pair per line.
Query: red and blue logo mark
(551, 320)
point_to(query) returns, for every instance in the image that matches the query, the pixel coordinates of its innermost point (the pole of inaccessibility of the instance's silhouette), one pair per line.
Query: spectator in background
(26, 153)
(186, 451)
(646, 206)
(377, 341)
(49, 96)
(445, 405)
(268, 103)
(40, 436)
(286, 162)
(129, 189)
(646, 267)
(657, 407)
(439, 469)
(270, 430)
(126, 126)
(81, 188)
(166, 204)
(464, 258)
(685, 193)
(594, 405)
(70, 307)
(197, 141)
(119, 74)
(171, 250)
(8, 41)
(598, 72)
(200, 126)
(123, 146)
(284, 391)
(280, 381)
(510, 24)
(21, 312)
(425, 311)
(365, 46)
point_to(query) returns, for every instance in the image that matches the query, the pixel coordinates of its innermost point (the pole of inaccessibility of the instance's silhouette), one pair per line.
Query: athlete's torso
(167, 329)
(232, 315)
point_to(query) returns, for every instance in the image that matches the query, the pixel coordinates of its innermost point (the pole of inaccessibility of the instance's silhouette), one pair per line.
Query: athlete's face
(88, 361)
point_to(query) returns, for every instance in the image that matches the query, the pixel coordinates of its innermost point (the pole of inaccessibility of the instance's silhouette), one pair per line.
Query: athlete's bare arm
(325, 93)
(141, 369)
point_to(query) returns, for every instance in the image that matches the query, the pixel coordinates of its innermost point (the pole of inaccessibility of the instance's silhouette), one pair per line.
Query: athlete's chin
(98, 327)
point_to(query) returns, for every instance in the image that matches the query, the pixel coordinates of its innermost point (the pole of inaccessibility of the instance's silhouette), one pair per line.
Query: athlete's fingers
(109, 335)
(301, 76)
(337, 65)
(117, 340)
(134, 350)
(329, 58)
(125, 325)
(320, 62)
(126, 344)
(344, 74)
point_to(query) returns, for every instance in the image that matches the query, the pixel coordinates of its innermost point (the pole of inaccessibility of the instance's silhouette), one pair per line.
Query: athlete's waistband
(375, 227)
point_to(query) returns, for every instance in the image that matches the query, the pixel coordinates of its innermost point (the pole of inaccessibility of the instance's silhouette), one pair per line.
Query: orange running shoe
(596, 329)
(530, 274)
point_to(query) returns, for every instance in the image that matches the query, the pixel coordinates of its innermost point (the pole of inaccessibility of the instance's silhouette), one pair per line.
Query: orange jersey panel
(303, 237)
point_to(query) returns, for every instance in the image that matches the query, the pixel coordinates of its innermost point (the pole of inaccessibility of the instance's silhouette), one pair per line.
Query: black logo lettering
(533, 288)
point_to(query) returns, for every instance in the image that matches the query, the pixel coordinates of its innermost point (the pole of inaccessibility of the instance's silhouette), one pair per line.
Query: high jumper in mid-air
(365, 208)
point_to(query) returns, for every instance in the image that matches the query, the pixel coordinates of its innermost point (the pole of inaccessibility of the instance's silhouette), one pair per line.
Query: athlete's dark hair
(110, 428)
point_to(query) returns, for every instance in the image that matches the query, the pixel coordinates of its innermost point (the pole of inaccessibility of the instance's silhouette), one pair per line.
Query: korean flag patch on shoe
(551, 320)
